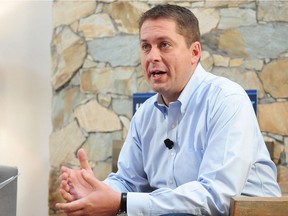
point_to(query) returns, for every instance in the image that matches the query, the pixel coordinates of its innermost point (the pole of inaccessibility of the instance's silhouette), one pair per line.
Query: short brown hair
(186, 21)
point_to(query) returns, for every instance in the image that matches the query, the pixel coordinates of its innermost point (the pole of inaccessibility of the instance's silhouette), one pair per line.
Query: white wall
(25, 96)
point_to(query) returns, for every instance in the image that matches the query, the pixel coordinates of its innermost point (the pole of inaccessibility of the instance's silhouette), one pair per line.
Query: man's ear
(196, 52)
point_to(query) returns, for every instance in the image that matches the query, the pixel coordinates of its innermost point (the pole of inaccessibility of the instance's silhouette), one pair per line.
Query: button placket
(173, 121)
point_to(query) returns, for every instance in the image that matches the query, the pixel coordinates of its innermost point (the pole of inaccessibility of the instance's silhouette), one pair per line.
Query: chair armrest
(8, 193)
(254, 206)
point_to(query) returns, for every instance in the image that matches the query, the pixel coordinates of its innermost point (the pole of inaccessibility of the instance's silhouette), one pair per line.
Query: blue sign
(139, 98)
(252, 94)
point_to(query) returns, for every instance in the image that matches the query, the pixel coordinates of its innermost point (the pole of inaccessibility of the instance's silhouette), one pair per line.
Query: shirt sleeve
(130, 176)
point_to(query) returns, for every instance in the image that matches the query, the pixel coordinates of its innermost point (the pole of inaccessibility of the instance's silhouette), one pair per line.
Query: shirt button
(172, 153)
(171, 181)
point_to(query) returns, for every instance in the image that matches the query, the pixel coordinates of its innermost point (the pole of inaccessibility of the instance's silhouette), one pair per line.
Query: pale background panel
(25, 99)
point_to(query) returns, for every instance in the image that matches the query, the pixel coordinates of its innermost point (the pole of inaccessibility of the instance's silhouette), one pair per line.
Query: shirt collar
(160, 104)
(196, 79)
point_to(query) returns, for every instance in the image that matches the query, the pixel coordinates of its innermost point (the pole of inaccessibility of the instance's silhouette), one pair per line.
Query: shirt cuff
(138, 204)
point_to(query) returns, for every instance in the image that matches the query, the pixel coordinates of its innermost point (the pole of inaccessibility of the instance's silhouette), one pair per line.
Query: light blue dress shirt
(218, 152)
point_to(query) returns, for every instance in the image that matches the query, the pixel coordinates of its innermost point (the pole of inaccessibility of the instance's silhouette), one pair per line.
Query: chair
(264, 206)
(259, 206)
(8, 192)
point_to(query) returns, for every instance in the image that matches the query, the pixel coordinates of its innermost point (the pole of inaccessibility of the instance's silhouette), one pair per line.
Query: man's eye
(165, 45)
(145, 47)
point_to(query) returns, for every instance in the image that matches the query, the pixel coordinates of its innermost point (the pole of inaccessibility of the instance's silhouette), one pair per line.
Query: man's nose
(154, 55)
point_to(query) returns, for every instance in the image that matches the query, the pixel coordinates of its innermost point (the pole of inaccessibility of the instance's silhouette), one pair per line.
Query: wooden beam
(259, 206)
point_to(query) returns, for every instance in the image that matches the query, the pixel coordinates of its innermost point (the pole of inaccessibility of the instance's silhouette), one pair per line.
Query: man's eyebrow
(157, 39)
(143, 40)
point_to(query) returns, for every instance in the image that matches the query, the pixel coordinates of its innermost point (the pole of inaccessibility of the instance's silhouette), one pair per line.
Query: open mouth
(157, 73)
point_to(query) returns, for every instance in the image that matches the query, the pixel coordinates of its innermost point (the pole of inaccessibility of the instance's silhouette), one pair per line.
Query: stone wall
(96, 69)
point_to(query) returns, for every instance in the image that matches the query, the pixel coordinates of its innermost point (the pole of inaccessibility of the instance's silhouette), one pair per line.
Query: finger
(67, 191)
(70, 207)
(65, 170)
(66, 196)
(64, 176)
(64, 185)
(82, 156)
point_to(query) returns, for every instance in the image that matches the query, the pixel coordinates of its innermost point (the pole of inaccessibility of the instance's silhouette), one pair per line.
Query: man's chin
(158, 89)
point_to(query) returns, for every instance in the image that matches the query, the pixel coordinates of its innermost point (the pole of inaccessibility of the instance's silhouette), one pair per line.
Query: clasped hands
(84, 194)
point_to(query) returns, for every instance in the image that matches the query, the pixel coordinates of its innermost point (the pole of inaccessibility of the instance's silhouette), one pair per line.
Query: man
(190, 148)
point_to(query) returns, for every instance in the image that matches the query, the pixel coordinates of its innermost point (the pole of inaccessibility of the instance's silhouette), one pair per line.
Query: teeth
(157, 73)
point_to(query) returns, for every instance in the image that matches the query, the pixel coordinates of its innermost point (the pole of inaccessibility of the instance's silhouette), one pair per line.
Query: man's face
(166, 60)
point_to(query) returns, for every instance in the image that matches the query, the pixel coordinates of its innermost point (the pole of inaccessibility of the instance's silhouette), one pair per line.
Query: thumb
(90, 179)
(83, 160)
